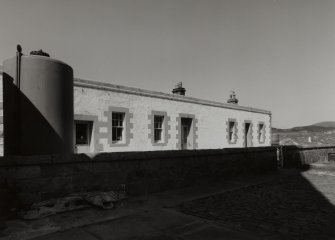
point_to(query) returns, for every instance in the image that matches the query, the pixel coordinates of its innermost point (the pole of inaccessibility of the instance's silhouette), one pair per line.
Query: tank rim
(38, 57)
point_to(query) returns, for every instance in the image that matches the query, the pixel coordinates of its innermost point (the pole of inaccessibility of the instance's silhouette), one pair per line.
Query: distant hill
(325, 124)
(318, 134)
(278, 130)
(317, 127)
(312, 128)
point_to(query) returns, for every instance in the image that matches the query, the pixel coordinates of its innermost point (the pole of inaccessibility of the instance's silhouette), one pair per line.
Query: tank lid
(40, 53)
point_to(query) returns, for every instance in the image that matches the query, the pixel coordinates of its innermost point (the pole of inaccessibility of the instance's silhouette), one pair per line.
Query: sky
(277, 55)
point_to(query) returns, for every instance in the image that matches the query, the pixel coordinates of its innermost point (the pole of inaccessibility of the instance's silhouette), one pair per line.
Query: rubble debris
(75, 201)
(102, 199)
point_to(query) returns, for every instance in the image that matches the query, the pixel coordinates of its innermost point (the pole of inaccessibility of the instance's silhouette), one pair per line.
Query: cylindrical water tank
(38, 106)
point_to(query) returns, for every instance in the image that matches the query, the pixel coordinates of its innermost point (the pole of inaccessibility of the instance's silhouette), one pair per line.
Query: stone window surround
(235, 136)
(264, 132)
(166, 128)
(128, 126)
(251, 132)
(194, 128)
(95, 133)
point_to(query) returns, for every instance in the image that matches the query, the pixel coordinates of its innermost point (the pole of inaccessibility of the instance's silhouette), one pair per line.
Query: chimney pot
(179, 90)
(232, 98)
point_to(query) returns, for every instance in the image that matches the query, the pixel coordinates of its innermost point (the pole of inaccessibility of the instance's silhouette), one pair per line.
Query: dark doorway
(247, 135)
(83, 134)
(186, 134)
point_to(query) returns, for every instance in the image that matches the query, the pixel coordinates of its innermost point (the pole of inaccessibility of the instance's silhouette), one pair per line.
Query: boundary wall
(29, 179)
(298, 156)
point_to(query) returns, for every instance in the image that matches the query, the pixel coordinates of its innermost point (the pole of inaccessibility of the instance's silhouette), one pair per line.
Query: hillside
(318, 134)
(325, 124)
(317, 127)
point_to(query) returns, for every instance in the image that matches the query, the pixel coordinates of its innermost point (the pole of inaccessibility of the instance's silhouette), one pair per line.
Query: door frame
(193, 129)
(248, 134)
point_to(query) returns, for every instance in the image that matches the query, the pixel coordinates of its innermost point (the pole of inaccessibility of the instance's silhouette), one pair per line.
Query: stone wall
(297, 156)
(24, 180)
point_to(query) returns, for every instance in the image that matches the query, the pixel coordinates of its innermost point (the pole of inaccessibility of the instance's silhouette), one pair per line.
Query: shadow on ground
(300, 206)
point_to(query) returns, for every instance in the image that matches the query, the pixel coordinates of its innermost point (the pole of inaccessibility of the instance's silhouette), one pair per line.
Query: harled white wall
(211, 121)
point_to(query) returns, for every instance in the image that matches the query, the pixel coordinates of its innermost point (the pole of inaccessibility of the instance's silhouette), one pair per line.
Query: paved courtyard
(295, 207)
(286, 204)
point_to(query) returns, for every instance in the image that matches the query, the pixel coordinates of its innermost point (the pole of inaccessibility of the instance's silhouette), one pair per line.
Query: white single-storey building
(113, 118)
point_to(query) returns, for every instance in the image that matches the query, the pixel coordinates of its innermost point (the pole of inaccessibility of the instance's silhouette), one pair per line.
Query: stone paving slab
(295, 207)
(161, 224)
(22, 229)
(69, 235)
(129, 227)
(213, 233)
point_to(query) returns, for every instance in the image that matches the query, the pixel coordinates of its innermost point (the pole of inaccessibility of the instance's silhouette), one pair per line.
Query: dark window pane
(113, 134)
(83, 132)
(158, 135)
(158, 120)
(117, 126)
(261, 133)
(231, 131)
(158, 128)
(119, 134)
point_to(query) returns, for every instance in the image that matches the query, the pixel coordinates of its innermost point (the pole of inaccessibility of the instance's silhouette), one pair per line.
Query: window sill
(119, 144)
(159, 143)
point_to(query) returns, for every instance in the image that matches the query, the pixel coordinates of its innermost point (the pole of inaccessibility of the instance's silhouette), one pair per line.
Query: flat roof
(174, 97)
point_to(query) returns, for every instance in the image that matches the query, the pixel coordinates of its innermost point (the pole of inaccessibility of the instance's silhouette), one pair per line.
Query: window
(83, 132)
(232, 131)
(158, 128)
(118, 126)
(261, 133)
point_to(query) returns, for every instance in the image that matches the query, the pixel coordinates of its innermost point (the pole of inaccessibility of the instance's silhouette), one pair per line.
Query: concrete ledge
(293, 147)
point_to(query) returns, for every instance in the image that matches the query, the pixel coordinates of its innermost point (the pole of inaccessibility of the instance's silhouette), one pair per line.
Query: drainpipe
(18, 66)
(18, 97)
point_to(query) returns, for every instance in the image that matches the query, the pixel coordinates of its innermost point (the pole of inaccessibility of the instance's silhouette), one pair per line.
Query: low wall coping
(17, 161)
(303, 148)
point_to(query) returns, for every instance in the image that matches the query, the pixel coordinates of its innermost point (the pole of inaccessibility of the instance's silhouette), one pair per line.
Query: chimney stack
(232, 98)
(178, 89)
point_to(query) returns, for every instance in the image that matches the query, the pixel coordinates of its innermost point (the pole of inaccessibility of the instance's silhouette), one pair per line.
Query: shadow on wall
(26, 131)
(293, 156)
(155, 171)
